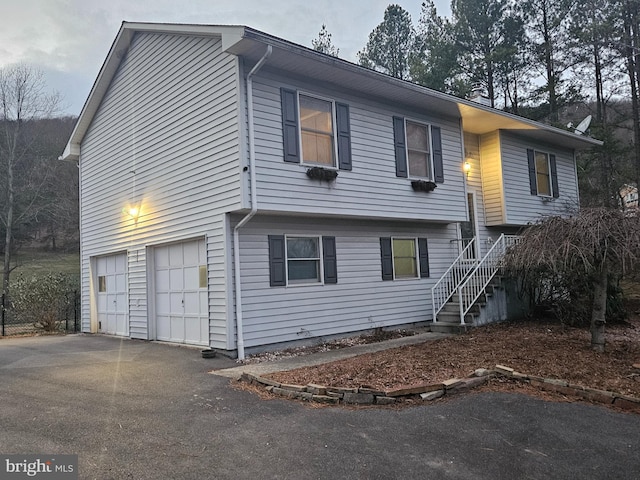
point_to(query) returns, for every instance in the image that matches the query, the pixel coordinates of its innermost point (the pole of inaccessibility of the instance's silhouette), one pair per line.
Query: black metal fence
(68, 319)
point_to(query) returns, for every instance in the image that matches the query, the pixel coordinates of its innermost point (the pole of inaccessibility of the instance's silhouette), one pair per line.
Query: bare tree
(594, 244)
(23, 100)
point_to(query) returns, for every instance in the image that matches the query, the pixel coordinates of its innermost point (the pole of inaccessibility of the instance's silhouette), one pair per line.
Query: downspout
(254, 203)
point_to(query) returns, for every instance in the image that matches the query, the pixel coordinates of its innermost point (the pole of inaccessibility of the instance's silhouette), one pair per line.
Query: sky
(68, 40)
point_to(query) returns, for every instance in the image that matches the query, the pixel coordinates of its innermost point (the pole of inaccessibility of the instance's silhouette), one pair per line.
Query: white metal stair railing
(446, 287)
(475, 283)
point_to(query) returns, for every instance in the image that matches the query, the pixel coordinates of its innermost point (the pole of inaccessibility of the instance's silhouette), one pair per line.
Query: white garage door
(182, 309)
(113, 311)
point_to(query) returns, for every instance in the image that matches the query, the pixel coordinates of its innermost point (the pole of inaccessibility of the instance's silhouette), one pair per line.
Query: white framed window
(543, 174)
(303, 259)
(317, 130)
(418, 142)
(405, 257)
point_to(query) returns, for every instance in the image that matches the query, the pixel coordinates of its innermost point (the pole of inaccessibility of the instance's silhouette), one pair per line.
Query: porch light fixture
(132, 211)
(467, 168)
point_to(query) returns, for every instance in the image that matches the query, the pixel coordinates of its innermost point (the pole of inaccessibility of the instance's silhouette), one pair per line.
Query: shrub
(43, 300)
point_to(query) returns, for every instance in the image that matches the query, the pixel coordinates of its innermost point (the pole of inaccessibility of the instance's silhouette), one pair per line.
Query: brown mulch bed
(542, 348)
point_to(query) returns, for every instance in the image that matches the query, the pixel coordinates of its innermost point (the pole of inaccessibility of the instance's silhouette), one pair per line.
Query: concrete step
(454, 308)
(453, 318)
(446, 327)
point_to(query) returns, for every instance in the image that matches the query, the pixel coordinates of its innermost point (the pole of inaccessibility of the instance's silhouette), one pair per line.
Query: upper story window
(418, 151)
(543, 174)
(316, 131)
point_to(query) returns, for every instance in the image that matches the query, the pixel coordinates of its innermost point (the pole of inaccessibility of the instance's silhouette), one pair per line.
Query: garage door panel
(175, 303)
(194, 329)
(176, 281)
(163, 331)
(181, 314)
(175, 255)
(121, 302)
(192, 303)
(102, 303)
(162, 280)
(204, 303)
(191, 256)
(121, 282)
(191, 278)
(177, 329)
(161, 257)
(111, 294)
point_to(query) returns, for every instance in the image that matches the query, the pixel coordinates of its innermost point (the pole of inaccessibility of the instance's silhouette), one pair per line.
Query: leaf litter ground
(535, 347)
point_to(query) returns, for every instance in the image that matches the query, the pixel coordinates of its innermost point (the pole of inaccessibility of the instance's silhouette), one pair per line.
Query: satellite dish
(583, 125)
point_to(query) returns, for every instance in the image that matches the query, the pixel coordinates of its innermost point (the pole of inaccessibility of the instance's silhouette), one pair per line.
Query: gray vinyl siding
(505, 180)
(360, 300)
(371, 189)
(171, 115)
(521, 206)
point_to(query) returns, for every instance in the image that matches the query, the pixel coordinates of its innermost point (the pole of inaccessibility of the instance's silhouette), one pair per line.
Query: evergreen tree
(479, 32)
(390, 44)
(323, 43)
(434, 61)
(547, 26)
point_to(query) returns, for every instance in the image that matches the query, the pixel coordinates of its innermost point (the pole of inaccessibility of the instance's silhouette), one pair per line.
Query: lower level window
(404, 258)
(303, 259)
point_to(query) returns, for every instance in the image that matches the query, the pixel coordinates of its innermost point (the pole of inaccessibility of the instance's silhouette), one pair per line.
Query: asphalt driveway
(133, 409)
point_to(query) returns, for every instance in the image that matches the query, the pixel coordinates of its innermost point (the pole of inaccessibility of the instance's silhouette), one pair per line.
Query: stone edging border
(432, 391)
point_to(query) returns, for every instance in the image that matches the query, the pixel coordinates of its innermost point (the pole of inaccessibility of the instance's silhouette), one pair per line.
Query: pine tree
(390, 44)
(323, 43)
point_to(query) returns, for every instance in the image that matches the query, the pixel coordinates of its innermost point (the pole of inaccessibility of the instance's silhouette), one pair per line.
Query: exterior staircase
(461, 297)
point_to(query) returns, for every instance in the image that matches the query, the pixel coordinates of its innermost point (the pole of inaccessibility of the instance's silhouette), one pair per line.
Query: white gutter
(254, 202)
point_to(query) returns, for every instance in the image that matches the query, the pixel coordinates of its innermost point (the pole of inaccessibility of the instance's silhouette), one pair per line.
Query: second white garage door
(182, 310)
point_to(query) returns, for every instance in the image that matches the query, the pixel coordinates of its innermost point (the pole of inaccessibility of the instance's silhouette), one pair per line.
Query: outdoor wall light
(467, 168)
(133, 211)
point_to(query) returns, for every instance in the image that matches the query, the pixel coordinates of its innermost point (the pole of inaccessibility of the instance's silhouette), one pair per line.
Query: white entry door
(113, 311)
(182, 308)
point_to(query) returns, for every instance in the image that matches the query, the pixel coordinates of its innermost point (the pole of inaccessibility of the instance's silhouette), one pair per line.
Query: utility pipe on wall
(254, 203)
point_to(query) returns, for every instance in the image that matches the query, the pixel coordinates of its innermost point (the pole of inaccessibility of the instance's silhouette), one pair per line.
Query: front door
(468, 229)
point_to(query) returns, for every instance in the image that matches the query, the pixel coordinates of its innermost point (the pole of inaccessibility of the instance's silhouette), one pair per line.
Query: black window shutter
(290, 125)
(277, 265)
(423, 257)
(344, 136)
(531, 157)
(329, 259)
(387, 258)
(554, 176)
(438, 167)
(400, 147)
